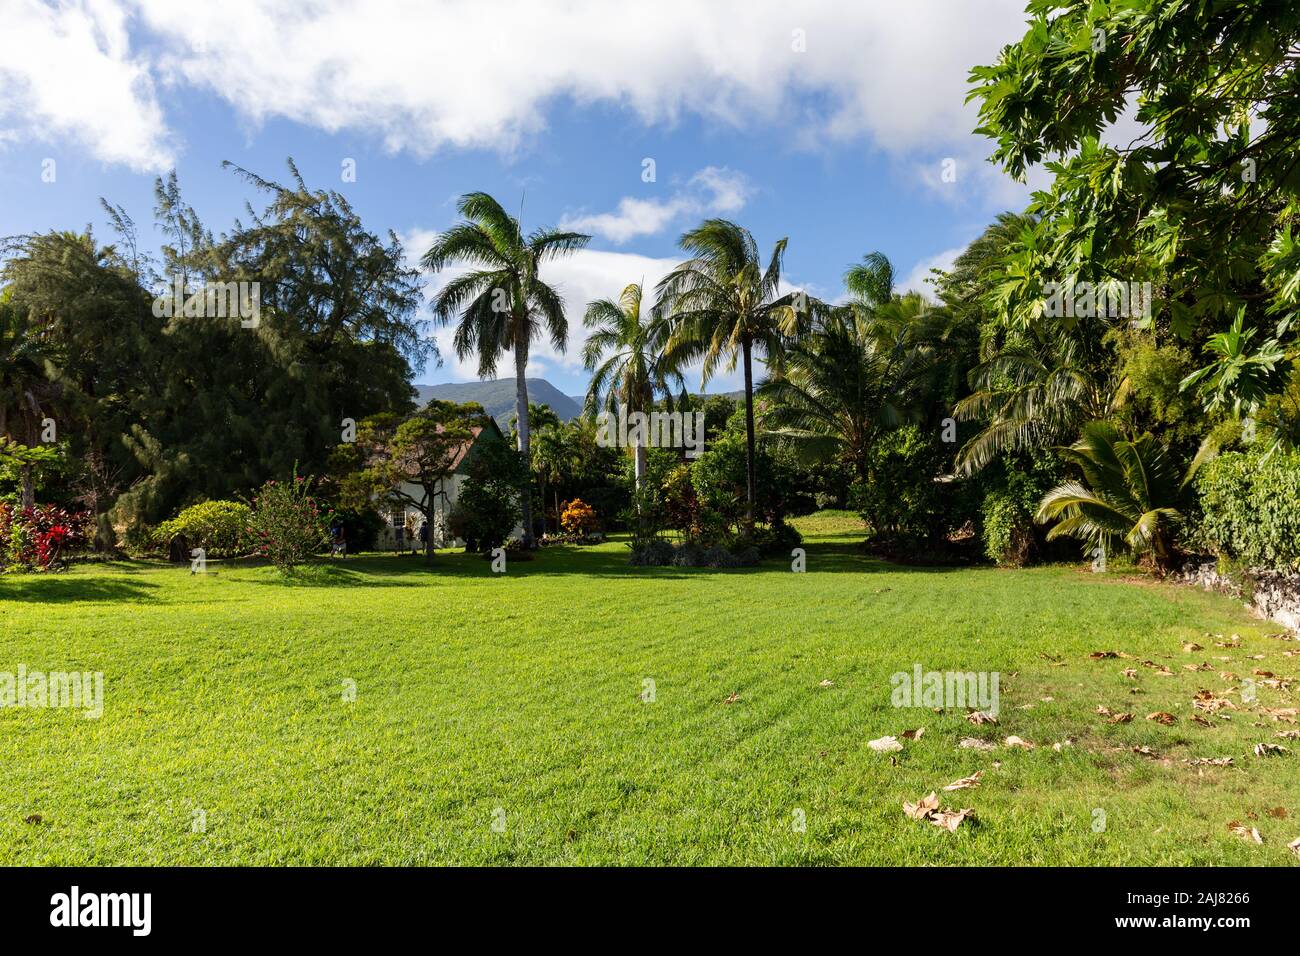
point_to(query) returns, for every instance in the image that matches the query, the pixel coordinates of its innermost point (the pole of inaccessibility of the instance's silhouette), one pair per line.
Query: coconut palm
(723, 306)
(637, 369)
(842, 384)
(1130, 493)
(1036, 389)
(502, 301)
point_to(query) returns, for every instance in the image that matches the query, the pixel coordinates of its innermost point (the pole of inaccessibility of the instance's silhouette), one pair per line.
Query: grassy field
(500, 719)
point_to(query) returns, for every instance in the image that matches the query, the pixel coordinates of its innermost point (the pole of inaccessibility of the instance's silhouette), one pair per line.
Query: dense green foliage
(1250, 508)
(220, 528)
(488, 507)
(160, 411)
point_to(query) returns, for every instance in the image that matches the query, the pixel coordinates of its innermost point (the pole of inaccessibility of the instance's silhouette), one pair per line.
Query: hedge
(1250, 508)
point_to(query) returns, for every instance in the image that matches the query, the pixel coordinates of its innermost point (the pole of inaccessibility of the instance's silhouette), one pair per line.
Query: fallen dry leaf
(1130, 672)
(1277, 813)
(1191, 647)
(1101, 655)
(1270, 750)
(827, 683)
(974, 743)
(950, 820)
(732, 699)
(34, 819)
(1294, 846)
(981, 717)
(1145, 751)
(1288, 734)
(1211, 761)
(923, 807)
(1163, 717)
(1114, 718)
(1206, 701)
(928, 809)
(884, 744)
(1014, 741)
(912, 734)
(1198, 719)
(966, 783)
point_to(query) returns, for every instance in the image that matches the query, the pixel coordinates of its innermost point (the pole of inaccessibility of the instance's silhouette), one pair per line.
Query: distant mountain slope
(498, 398)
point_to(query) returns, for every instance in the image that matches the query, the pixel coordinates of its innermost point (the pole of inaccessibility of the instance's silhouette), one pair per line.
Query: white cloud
(68, 72)
(916, 279)
(428, 75)
(713, 191)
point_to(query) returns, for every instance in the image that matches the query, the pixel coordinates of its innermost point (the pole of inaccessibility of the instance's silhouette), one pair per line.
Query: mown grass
(523, 692)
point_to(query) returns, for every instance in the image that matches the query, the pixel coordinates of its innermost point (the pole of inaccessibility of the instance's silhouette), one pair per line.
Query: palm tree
(637, 370)
(554, 458)
(845, 382)
(1130, 493)
(1036, 389)
(722, 305)
(502, 301)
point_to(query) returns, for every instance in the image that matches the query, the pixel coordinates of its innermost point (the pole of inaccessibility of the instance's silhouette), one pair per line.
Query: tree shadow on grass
(58, 589)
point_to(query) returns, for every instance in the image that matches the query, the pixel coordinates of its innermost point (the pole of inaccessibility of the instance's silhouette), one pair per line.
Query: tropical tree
(723, 305)
(502, 301)
(1130, 493)
(1202, 202)
(25, 391)
(391, 454)
(637, 370)
(553, 459)
(1037, 388)
(841, 385)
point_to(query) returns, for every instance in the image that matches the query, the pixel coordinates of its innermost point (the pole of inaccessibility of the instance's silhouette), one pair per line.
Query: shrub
(40, 538)
(778, 538)
(220, 528)
(657, 552)
(286, 523)
(360, 527)
(1250, 509)
(901, 501)
(652, 553)
(579, 518)
(1009, 533)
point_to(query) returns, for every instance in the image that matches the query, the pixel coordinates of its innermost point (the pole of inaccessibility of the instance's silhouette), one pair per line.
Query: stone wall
(1272, 595)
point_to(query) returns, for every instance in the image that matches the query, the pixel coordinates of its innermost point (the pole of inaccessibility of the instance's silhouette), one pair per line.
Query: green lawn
(224, 693)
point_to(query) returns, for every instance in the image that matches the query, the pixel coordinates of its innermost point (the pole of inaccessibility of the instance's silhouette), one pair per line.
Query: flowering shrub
(286, 524)
(40, 538)
(579, 518)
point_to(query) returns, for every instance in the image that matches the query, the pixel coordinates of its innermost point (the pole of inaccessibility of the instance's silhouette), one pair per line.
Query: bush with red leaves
(40, 538)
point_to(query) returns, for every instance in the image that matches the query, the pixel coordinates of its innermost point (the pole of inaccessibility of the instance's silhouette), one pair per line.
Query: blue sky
(829, 126)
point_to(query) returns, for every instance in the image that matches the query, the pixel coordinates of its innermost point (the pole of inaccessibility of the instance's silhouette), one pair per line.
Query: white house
(405, 518)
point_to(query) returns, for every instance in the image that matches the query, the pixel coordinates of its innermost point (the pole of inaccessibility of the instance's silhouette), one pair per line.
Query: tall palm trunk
(642, 465)
(521, 424)
(750, 494)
